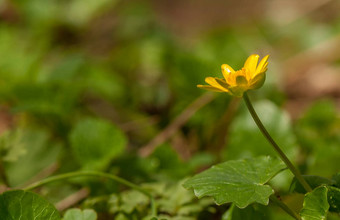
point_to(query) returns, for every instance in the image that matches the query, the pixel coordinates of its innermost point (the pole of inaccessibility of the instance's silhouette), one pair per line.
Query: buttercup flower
(251, 76)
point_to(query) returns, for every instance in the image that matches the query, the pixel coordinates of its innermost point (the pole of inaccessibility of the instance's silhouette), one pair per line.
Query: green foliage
(30, 146)
(77, 214)
(318, 134)
(252, 212)
(315, 205)
(96, 142)
(277, 123)
(333, 191)
(177, 201)
(85, 84)
(11, 147)
(19, 204)
(242, 182)
(336, 179)
(173, 202)
(168, 165)
(313, 181)
(333, 196)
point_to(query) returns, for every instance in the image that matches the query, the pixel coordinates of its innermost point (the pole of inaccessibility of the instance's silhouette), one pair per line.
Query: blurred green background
(111, 86)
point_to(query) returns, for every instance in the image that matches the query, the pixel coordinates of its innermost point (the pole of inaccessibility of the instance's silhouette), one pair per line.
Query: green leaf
(172, 199)
(313, 181)
(252, 212)
(315, 205)
(96, 142)
(77, 214)
(19, 204)
(240, 181)
(131, 200)
(336, 178)
(334, 199)
(39, 152)
(246, 141)
(177, 201)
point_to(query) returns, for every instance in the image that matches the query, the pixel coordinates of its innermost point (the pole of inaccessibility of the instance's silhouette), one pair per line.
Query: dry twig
(179, 121)
(72, 199)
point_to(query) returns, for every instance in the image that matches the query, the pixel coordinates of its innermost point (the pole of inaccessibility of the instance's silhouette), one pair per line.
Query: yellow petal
(262, 65)
(226, 70)
(222, 82)
(251, 63)
(257, 81)
(210, 88)
(264, 68)
(212, 81)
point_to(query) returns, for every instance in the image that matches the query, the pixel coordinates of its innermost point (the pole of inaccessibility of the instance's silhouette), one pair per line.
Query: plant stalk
(3, 175)
(284, 207)
(282, 155)
(96, 174)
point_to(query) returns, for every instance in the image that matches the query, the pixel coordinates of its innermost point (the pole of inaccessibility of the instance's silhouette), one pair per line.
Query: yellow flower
(251, 76)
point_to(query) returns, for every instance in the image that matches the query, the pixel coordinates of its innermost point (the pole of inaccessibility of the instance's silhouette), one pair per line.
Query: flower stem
(3, 175)
(284, 207)
(96, 174)
(284, 158)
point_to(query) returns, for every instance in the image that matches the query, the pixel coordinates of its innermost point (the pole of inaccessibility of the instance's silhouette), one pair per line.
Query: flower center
(238, 78)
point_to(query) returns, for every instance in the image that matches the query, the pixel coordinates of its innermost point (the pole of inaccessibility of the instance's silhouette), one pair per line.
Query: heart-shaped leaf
(239, 181)
(20, 204)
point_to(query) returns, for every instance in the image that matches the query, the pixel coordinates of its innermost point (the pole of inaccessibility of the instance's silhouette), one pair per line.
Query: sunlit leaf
(315, 205)
(239, 181)
(19, 204)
